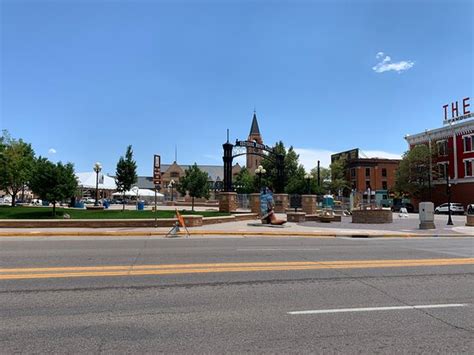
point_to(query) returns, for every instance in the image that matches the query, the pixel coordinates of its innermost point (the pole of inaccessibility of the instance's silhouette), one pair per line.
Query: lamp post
(97, 169)
(171, 186)
(448, 191)
(308, 178)
(259, 172)
(136, 190)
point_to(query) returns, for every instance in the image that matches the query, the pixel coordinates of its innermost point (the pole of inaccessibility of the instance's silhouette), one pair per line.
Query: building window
(442, 170)
(442, 147)
(384, 185)
(468, 143)
(384, 172)
(367, 184)
(174, 174)
(367, 171)
(468, 167)
(353, 172)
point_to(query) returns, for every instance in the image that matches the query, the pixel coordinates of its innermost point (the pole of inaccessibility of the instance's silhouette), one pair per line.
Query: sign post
(156, 181)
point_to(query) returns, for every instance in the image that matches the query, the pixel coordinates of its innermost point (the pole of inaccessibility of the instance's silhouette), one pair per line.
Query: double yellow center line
(171, 269)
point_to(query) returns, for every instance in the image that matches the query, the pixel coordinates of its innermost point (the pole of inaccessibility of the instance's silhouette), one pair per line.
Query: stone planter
(228, 202)
(281, 202)
(297, 217)
(255, 203)
(308, 204)
(372, 216)
(470, 220)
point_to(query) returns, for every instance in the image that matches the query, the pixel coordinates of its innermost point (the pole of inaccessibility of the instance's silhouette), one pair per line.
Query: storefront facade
(453, 148)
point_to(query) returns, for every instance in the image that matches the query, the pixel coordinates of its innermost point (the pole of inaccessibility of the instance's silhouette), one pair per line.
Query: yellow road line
(124, 270)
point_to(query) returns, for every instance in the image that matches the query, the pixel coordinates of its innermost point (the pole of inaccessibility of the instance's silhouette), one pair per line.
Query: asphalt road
(257, 295)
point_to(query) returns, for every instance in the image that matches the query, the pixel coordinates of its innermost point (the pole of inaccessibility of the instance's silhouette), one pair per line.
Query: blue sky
(81, 80)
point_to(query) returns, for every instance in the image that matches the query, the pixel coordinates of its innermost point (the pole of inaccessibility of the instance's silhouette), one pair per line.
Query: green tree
(194, 182)
(325, 179)
(53, 182)
(413, 174)
(126, 173)
(16, 162)
(245, 183)
(291, 167)
(338, 176)
(297, 183)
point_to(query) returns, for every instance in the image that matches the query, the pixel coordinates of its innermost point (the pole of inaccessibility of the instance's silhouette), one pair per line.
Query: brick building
(363, 173)
(454, 147)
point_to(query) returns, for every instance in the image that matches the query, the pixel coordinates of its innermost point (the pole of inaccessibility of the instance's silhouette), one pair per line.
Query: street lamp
(171, 186)
(259, 172)
(136, 190)
(308, 178)
(97, 169)
(448, 191)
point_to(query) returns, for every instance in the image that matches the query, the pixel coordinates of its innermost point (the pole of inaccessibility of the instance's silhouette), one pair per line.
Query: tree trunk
(123, 202)
(192, 206)
(13, 199)
(54, 208)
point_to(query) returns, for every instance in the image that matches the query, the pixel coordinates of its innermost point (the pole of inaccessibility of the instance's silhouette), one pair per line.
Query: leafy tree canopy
(16, 162)
(413, 174)
(126, 173)
(195, 183)
(245, 183)
(53, 182)
(338, 176)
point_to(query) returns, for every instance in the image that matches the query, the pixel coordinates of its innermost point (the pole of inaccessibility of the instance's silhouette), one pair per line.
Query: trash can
(105, 203)
(79, 205)
(45, 203)
(141, 205)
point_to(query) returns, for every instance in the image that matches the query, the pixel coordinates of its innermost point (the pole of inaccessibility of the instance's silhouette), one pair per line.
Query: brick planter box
(470, 220)
(372, 216)
(296, 217)
(318, 218)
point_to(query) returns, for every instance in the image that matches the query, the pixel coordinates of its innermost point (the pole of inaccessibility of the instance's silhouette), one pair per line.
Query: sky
(80, 80)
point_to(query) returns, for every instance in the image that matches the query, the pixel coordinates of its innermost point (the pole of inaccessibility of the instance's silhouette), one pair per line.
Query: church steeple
(254, 160)
(254, 130)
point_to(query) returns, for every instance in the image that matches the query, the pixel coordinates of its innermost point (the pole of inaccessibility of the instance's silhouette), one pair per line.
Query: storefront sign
(458, 112)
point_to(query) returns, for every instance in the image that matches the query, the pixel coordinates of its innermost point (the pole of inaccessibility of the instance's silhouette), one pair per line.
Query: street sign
(157, 170)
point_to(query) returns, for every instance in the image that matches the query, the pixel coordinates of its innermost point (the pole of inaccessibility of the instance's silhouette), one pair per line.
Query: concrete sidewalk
(401, 227)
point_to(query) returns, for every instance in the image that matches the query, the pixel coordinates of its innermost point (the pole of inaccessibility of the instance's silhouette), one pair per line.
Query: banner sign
(250, 144)
(157, 170)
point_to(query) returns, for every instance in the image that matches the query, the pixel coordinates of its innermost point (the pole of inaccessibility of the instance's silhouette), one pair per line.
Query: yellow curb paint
(141, 270)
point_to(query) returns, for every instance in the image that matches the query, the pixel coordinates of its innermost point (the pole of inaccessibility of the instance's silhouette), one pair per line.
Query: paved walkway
(401, 227)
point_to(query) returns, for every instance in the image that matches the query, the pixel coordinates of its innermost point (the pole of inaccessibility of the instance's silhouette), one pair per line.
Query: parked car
(456, 208)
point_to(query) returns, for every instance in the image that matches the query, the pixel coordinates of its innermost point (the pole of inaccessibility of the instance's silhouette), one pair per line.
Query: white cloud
(381, 154)
(52, 151)
(309, 157)
(386, 64)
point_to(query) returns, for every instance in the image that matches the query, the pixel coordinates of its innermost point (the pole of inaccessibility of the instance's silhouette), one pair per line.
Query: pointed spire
(254, 129)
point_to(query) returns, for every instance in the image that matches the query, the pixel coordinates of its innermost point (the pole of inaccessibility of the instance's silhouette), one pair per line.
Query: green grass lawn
(26, 212)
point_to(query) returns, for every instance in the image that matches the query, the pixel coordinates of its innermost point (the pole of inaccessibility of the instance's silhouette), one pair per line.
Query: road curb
(315, 234)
